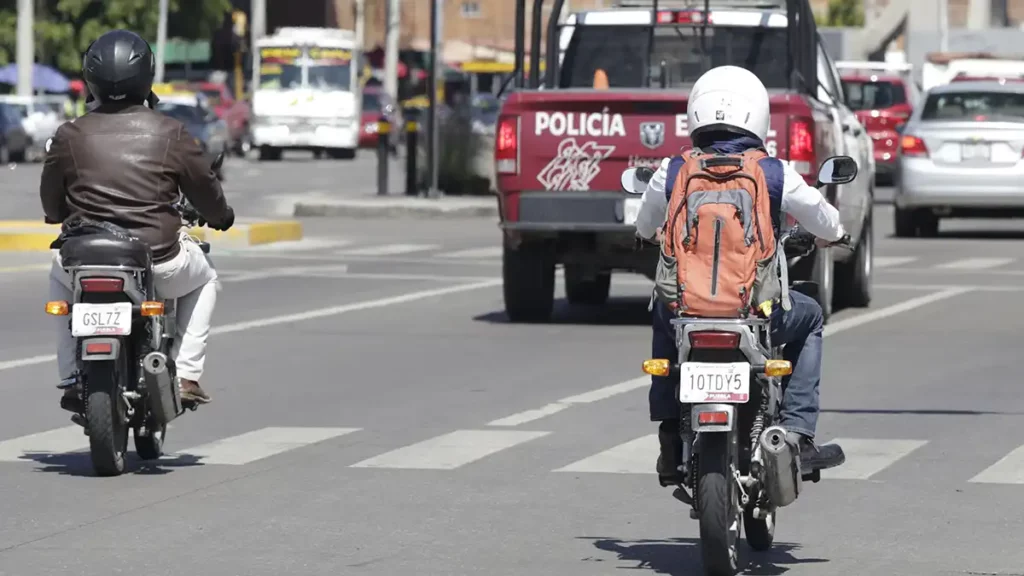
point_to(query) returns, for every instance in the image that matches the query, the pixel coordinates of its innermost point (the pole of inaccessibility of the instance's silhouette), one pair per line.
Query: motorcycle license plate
(701, 382)
(101, 319)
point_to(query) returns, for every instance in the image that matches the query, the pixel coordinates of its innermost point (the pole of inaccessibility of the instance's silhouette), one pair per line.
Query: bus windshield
(323, 68)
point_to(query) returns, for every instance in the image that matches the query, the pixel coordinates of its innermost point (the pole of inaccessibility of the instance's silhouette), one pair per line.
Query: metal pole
(944, 25)
(257, 30)
(161, 42)
(391, 49)
(360, 6)
(432, 128)
(25, 46)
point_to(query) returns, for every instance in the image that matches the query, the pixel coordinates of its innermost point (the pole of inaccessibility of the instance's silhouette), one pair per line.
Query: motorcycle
(737, 466)
(124, 334)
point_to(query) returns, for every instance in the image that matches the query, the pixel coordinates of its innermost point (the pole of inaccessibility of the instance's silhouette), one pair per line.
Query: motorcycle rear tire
(718, 503)
(105, 416)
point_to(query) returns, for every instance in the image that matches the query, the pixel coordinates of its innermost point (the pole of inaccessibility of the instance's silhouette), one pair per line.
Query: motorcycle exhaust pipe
(781, 467)
(164, 397)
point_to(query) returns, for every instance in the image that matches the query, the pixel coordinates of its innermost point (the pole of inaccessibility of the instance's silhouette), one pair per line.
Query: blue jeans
(800, 330)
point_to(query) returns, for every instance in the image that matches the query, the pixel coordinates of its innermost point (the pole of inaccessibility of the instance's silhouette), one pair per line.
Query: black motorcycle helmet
(119, 66)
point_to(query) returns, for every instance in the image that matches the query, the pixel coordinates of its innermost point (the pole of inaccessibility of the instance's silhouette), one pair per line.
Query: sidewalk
(392, 206)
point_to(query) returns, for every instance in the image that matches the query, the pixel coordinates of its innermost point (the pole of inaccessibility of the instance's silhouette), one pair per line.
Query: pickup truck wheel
(853, 277)
(529, 283)
(587, 291)
(824, 273)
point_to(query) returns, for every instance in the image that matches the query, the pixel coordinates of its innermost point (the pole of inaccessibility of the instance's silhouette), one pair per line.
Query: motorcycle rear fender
(698, 409)
(115, 348)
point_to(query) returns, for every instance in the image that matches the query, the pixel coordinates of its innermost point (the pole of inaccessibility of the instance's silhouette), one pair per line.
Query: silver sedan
(960, 155)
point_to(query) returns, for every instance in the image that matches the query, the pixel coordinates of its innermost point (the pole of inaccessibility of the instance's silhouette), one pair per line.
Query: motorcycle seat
(105, 250)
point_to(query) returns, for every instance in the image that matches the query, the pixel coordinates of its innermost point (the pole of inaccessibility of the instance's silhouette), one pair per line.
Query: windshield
(975, 107)
(865, 95)
(279, 68)
(182, 112)
(330, 69)
(622, 53)
(371, 102)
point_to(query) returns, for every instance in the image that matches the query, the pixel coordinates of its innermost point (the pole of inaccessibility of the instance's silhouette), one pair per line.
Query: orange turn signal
(776, 368)
(152, 309)
(57, 308)
(657, 367)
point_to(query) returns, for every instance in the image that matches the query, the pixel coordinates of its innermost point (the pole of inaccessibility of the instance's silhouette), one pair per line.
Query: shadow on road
(922, 412)
(79, 464)
(627, 311)
(681, 556)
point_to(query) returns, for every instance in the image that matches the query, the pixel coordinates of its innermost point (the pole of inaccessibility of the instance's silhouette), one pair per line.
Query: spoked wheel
(760, 533)
(149, 442)
(719, 505)
(106, 415)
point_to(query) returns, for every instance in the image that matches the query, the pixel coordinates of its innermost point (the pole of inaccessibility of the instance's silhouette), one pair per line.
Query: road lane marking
(450, 451)
(633, 457)
(642, 382)
(303, 316)
(259, 444)
(866, 457)
(50, 442)
(489, 252)
(975, 263)
(1008, 470)
(889, 261)
(387, 250)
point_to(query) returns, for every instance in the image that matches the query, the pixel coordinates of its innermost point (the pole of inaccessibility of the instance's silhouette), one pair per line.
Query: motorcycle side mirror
(634, 180)
(218, 162)
(837, 170)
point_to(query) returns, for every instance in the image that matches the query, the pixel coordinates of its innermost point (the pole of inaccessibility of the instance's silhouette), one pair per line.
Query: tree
(65, 28)
(843, 13)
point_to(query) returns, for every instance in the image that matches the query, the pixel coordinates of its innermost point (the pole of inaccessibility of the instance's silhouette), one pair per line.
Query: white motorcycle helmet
(728, 98)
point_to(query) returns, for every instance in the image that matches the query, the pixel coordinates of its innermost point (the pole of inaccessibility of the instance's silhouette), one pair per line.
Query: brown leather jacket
(124, 164)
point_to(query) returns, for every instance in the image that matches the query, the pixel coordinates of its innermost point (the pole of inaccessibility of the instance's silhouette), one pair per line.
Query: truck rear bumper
(566, 211)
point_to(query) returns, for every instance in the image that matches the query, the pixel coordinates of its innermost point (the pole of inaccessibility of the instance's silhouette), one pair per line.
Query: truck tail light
(801, 147)
(913, 146)
(506, 145)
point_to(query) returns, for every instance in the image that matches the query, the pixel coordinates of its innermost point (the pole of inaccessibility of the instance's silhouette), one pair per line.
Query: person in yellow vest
(74, 106)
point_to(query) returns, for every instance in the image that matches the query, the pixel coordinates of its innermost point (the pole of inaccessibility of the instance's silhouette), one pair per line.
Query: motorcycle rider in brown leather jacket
(124, 163)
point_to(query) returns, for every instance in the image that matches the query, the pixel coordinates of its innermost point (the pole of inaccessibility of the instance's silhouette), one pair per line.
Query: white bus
(306, 93)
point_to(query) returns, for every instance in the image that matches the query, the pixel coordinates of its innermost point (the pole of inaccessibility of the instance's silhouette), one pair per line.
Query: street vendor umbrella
(43, 78)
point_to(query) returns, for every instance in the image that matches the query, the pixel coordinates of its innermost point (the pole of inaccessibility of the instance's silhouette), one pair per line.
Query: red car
(235, 114)
(377, 104)
(882, 101)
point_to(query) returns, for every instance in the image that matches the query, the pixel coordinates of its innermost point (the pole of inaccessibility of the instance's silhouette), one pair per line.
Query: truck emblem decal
(575, 165)
(719, 115)
(652, 134)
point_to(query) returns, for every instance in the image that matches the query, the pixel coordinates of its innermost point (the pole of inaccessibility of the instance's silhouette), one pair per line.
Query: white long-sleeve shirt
(802, 202)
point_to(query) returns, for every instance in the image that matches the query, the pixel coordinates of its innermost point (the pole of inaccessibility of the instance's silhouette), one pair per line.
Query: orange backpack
(718, 250)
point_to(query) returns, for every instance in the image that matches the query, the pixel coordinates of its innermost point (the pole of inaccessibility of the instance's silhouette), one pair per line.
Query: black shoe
(671, 453)
(814, 458)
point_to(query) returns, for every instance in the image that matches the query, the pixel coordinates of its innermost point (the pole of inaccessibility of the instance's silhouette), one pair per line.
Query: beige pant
(190, 277)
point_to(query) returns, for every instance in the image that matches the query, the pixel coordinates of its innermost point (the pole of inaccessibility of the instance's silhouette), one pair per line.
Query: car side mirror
(634, 180)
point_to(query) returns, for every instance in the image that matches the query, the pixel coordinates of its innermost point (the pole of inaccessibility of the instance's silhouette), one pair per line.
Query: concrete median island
(398, 206)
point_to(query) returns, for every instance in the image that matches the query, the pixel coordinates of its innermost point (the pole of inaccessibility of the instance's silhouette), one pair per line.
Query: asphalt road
(374, 414)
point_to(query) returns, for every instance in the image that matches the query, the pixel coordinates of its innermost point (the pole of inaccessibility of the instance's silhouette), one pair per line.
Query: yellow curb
(28, 236)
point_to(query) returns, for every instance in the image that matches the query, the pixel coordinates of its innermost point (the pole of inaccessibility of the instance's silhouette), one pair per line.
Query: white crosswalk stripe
(975, 263)
(260, 444)
(450, 451)
(387, 250)
(892, 261)
(866, 457)
(474, 253)
(1008, 470)
(634, 457)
